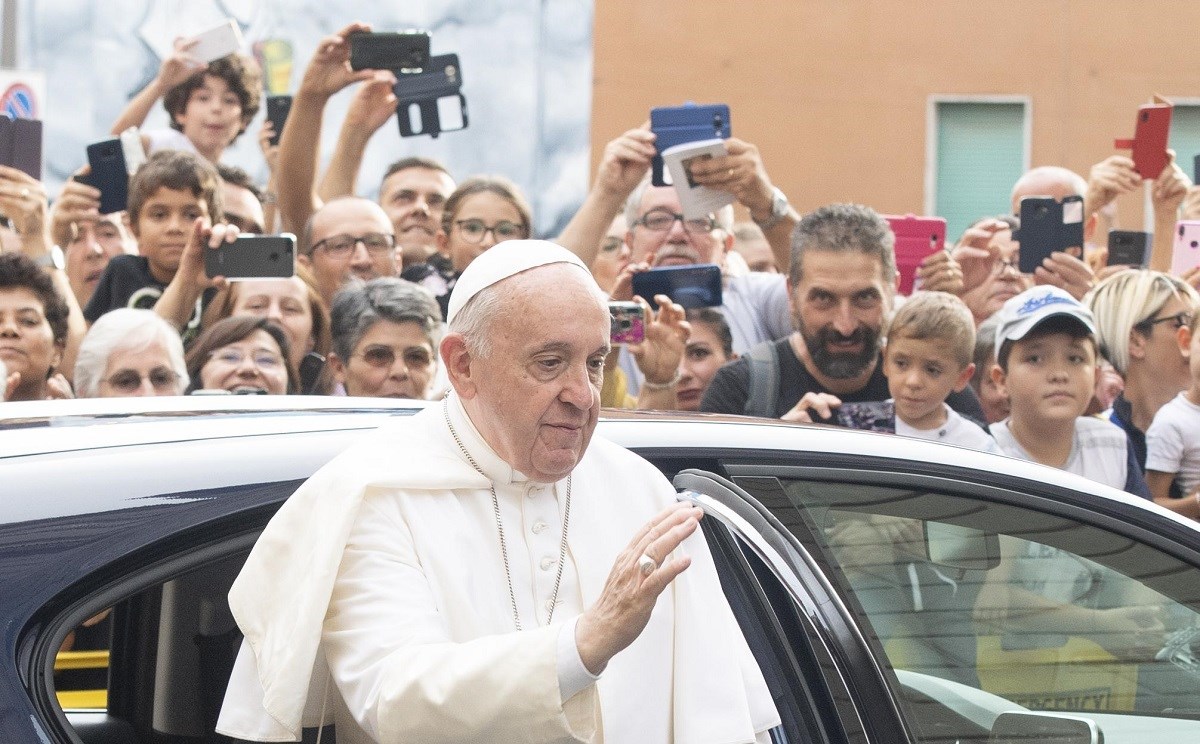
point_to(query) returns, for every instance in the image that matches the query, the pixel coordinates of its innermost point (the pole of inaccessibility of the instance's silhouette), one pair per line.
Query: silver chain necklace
(562, 545)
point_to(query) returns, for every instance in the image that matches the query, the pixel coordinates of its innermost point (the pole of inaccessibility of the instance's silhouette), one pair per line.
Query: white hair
(124, 329)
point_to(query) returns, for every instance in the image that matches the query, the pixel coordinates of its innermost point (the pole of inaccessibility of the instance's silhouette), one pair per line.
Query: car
(891, 590)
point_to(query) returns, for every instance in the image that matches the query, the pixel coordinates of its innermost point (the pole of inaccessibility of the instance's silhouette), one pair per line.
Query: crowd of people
(1079, 365)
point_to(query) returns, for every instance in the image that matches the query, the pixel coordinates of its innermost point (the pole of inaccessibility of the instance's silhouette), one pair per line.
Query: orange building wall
(835, 94)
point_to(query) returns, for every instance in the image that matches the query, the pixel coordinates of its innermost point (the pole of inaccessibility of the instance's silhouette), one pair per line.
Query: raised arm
(372, 106)
(173, 71)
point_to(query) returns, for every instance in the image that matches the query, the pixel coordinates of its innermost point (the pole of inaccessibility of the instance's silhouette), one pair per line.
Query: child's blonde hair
(936, 316)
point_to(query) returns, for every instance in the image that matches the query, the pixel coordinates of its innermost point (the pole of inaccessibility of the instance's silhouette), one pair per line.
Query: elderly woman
(1138, 315)
(243, 354)
(129, 353)
(385, 338)
(33, 330)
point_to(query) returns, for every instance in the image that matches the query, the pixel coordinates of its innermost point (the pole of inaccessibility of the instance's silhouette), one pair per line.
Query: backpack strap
(763, 384)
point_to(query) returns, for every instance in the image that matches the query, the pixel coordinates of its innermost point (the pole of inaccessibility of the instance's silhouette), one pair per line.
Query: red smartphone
(1186, 254)
(917, 238)
(1149, 143)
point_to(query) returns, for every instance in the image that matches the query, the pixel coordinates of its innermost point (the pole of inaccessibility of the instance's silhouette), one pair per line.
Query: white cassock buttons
(547, 563)
(539, 527)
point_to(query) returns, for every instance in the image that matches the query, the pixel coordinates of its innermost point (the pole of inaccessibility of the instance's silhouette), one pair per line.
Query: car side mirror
(963, 548)
(1014, 727)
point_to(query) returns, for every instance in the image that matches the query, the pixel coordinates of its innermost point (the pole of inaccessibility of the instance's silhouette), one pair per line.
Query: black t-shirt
(730, 388)
(126, 282)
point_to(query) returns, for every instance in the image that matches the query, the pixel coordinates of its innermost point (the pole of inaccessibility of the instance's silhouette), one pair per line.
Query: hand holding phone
(431, 101)
(1185, 256)
(253, 257)
(21, 145)
(396, 51)
(917, 238)
(1129, 248)
(1149, 143)
(109, 173)
(677, 125)
(698, 285)
(217, 42)
(277, 113)
(1048, 225)
(876, 415)
(627, 322)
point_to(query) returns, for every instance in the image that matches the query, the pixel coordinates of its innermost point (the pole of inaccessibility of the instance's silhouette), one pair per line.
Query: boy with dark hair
(930, 341)
(166, 195)
(1046, 363)
(209, 105)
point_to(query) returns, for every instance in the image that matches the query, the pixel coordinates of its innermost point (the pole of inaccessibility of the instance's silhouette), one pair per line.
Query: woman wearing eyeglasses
(130, 353)
(385, 338)
(1138, 316)
(243, 354)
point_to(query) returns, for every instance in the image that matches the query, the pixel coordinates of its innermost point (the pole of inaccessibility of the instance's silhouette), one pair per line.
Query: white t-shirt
(1100, 450)
(168, 139)
(956, 430)
(1173, 442)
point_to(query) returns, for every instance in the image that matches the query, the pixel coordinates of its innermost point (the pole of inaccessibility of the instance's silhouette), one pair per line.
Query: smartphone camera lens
(1194, 244)
(1145, 116)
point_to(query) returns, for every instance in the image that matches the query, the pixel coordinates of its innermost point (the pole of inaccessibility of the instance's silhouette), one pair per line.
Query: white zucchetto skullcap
(502, 261)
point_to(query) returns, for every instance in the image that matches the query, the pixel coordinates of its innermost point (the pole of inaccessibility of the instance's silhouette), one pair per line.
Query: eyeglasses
(129, 381)
(234, 357)
(474, 230)
(1179, 319)
(384, 357)
(661, 220)
(340, 245)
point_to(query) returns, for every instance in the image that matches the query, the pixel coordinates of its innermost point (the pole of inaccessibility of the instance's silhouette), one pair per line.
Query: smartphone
(1129, 248)
(1186, 254)
(1149, 143)
(431, 101)
(217, 42)
(277, 113)
(1047, 226)
(311, 366)
(21, 145)
(676, 125)
(627, 323)
(698, 285)
(917, 238)
(253, 257)
(397, 51)
(109, 174)
(875, 415)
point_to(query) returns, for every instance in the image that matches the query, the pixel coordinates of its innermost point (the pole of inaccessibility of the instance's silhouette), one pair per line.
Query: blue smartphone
(675, 125)
(698, 285)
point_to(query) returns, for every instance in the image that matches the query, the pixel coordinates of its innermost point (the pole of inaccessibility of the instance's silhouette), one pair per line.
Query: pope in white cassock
(486, 571)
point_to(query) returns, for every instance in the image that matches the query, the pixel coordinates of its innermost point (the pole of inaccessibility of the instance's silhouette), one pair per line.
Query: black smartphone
(875, 415)
(431, 101)
(397, 51)
(698, 285)
(21, 145)
(109, 174)
(1196, 169)
(675, 125)
(627, 323)
(253, 257)
(277, 113)
(1129, 248)
(1047, 226)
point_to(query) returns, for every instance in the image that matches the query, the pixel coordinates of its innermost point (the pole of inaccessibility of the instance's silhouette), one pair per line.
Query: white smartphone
(134, 151)
(218, 42)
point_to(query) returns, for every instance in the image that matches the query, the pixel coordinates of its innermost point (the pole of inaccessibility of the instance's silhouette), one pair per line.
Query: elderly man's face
(677, 245)
(537, 395)
(1003, 282)
(357, 218)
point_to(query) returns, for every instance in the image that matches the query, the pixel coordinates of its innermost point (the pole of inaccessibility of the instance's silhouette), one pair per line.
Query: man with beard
(841, 286)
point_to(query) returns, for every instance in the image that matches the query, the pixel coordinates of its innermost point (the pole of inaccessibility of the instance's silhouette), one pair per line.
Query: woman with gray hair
(129, 353)
(386, 334)
(1138, 313)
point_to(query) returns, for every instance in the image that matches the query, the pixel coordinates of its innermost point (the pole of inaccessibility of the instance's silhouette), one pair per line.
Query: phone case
(627, 323)
(21, 145)
(876, 415)
(431, 101)
(917, 238)
(277, 113)
(109, 174)
(215, 43)
(690, 286)
(1128, 248)
(1149, 143)
(1186, 254)
(675, 125)
(253, 257)
(1048, 225)
(401, 50)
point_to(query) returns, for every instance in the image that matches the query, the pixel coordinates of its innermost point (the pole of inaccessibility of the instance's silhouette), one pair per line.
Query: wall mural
(526, 75)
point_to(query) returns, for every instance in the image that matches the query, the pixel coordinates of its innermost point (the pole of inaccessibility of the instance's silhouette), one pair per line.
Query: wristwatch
(52, 258)
(779, 210)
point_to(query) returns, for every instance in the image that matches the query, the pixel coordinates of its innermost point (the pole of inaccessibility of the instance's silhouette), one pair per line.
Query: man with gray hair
(841, 287)
(486, 570)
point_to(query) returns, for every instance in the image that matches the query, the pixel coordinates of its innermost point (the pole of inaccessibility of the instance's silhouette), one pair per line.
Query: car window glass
(1069, 618)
